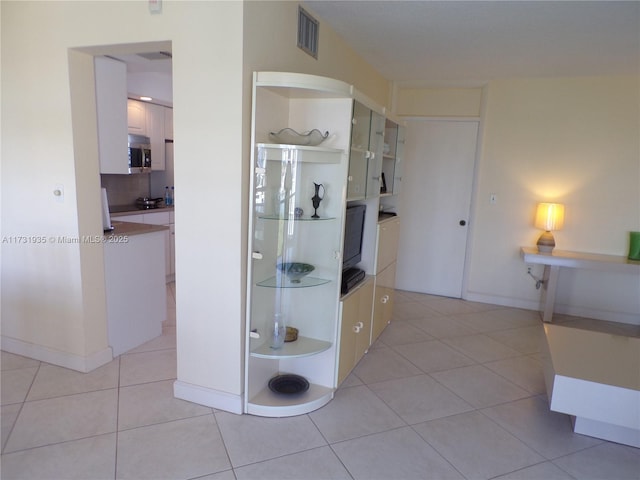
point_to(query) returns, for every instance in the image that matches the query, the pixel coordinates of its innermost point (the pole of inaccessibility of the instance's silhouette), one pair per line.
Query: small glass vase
(278, 331)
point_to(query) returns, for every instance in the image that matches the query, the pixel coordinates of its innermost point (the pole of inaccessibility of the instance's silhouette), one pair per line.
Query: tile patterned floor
(451, 390)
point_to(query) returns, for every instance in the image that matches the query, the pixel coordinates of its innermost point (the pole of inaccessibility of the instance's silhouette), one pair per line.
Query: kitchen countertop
(120, 210)
(131, 228)
(384, 216)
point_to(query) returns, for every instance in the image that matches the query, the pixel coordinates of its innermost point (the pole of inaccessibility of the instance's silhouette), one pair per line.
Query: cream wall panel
(570, 140)
(439, 102)
(270, 44)
(48, 294)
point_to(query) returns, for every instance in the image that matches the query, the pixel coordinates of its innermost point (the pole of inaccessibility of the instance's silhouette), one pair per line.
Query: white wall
(571, 140)
(270, 44)
(53, 297)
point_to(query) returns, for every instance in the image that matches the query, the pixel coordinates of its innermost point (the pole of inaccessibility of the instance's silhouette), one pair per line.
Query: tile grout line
(115, 463)
(24, 400)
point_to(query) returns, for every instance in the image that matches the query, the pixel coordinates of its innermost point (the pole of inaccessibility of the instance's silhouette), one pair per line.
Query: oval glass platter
(288, 384)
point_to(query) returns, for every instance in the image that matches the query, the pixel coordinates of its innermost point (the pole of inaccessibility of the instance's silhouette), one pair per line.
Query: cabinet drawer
(158, 218)
(384, 299)
(135, 218)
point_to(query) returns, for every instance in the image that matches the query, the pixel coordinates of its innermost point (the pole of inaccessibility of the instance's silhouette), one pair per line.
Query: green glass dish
(295, 270)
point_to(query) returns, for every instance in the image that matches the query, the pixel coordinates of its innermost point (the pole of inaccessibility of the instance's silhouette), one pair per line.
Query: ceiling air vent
(307, 32)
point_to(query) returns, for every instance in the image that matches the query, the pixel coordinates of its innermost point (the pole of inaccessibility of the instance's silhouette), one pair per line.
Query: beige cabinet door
(384, 300)
(347, 355)
(363, 325)
(355, 330)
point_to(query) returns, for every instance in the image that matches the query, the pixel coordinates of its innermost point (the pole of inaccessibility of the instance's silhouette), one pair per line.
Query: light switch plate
(155, 6)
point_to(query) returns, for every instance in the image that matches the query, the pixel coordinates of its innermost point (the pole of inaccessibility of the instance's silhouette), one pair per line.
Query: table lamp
(549, 217)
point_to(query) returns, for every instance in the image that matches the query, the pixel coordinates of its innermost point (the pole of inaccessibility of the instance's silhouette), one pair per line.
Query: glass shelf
(305, 153)
(283, 282)
(302, 347)
(304, 218)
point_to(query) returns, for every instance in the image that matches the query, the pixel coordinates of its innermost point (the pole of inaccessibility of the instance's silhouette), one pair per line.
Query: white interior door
(435, 205)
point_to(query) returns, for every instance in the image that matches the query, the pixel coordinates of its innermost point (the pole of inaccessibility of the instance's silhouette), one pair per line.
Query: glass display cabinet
(298, 197)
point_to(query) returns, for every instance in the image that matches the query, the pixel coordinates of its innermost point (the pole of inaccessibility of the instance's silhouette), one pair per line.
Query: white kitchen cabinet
(165, 218)
(156, 218)
(168, 123)
(355, 327)
(135, 290)
(148, 119)
(111, 109)
(135, 218)
(136, 117)
(156, 133)
(171, 259)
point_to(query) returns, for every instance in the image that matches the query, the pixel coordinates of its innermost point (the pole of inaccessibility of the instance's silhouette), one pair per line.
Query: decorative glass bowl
(290, 137)
(295, 270)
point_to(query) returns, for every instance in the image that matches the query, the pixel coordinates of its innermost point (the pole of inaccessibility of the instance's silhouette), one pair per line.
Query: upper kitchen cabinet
(168, 123)
(111, 107)
(136, 117)
(148, 119)
(155, 131)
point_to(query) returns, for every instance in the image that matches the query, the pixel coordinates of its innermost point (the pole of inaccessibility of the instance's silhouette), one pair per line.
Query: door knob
(463, 223)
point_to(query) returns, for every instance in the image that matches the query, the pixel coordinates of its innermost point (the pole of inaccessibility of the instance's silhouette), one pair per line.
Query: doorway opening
(149, 73)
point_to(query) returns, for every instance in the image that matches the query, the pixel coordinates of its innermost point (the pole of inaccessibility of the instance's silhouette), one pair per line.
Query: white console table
(591, 374)
(561, 258)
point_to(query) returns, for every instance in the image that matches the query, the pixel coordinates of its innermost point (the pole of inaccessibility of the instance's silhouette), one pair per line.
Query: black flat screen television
(353, 230)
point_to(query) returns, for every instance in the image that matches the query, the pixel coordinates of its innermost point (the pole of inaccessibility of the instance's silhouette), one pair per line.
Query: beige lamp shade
(550, 216)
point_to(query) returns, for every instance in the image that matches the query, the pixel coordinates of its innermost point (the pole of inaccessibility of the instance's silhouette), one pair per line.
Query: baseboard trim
(502, 301)
(208, 397)
(620, 317)
(56, 357)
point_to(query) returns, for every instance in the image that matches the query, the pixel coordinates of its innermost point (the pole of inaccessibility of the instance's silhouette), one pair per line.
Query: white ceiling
(467, 43)
(137, 63)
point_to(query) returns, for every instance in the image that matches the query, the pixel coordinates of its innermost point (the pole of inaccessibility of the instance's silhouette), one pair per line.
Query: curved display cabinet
(298, 196)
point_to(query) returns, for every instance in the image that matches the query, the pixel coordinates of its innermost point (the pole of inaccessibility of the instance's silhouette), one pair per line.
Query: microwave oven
(139, 154)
